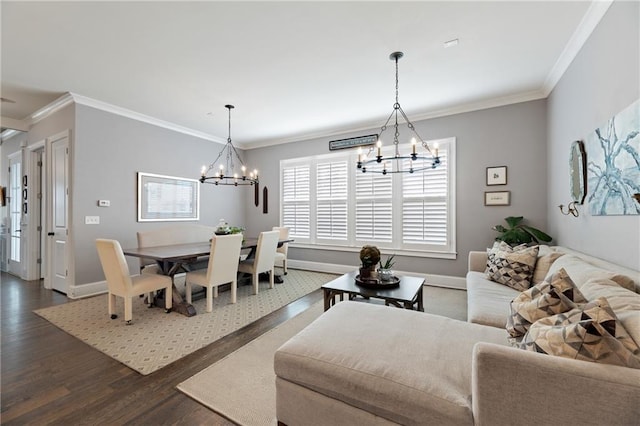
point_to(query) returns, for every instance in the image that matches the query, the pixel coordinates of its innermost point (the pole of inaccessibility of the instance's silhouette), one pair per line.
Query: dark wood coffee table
(407, 295)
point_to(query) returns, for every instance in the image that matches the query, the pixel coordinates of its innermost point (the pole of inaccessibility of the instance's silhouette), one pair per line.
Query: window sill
(385, 251)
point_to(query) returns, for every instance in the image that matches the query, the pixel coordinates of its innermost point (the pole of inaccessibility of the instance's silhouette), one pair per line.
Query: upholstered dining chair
(120, 283)
(222, 268)
(264, 259)
(281, 252)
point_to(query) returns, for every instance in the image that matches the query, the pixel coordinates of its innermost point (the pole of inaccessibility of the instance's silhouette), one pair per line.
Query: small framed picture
(497, 175)
(497, 198)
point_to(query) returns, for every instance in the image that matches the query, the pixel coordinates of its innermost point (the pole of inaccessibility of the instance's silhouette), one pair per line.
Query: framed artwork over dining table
(167, 198)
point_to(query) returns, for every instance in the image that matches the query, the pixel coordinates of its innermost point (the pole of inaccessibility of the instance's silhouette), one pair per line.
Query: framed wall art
(497, 175)
(497, 198)
(613, 170)
(167, 198)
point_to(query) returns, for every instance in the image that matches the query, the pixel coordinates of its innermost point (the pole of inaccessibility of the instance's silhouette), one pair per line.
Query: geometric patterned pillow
(511, 266)
(589, 333)
(553, 296)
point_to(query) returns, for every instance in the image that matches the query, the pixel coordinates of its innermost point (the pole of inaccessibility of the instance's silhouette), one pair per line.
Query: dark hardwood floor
(50, 377)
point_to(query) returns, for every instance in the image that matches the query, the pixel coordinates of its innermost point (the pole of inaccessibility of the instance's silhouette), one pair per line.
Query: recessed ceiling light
(451, 43)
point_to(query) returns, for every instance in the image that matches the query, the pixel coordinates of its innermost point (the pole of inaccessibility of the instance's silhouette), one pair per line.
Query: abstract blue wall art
(613, 169)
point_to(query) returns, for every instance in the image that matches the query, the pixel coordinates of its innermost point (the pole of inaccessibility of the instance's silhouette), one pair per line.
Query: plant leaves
(513, 221)
(537, 234)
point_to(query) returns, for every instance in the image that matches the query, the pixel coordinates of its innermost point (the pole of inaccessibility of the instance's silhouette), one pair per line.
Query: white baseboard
(100, 287)
(447, 281)
(87, 290)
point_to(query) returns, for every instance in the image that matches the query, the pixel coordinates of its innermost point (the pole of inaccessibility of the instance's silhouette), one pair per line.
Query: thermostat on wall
(104, 203)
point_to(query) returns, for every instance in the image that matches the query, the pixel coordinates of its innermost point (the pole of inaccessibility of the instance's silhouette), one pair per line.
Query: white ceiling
(292, 69)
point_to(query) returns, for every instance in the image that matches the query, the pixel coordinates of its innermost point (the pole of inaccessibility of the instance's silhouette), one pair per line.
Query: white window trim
(351, 245)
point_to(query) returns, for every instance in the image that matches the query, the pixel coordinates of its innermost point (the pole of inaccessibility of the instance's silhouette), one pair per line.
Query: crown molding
(69, 98)
(589, 22)
(458, 109)
(49, 109)
(113, 109)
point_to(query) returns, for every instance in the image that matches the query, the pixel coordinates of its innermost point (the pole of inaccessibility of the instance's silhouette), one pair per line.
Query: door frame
(35, 242)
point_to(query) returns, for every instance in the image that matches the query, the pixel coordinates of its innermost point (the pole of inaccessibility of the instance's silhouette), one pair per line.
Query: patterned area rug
(247, 374)
(156, 339)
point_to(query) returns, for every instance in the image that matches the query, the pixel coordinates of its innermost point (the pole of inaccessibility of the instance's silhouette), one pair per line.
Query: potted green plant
(369, 258)
(518, 233)
(384, 272)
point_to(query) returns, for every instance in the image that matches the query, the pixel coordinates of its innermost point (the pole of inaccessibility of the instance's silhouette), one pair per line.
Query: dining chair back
(221, 269)
(120, 283)
(264, 258)
(281, 252)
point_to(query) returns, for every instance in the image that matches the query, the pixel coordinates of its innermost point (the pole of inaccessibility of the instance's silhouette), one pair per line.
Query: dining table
(175, 258)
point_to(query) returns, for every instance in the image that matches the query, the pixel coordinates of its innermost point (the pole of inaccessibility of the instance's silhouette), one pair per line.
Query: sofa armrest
(513, 386)
(477, 261)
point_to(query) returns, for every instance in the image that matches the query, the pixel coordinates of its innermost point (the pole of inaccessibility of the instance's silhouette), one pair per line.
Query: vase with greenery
(517, 232)
(384, 272)
(369, 258)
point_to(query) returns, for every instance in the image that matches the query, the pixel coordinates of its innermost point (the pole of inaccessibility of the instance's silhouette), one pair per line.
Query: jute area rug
(156, 339)
(246, 376)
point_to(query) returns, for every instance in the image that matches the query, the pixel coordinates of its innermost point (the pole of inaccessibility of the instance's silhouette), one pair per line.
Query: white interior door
(58, 229)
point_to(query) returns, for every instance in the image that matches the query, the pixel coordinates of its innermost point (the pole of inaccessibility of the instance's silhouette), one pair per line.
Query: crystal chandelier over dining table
(416, 161)
(222, 171)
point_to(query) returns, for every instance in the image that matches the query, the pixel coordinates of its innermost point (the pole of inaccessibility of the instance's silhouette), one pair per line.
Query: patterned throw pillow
(511, 266)
(555, 295)
(589, 333)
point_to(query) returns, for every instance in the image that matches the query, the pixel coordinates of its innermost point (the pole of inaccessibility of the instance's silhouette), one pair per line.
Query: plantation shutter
(296, 201)
(331, 200)
(424, 205)
(373, 215)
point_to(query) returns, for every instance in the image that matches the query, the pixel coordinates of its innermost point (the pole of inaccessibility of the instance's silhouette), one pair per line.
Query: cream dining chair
(263, 260)
(222, 268)
(120, 283)
(281, 252)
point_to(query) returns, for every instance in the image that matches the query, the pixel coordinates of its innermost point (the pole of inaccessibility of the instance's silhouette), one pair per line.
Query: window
(15, 206)
(374, 212)
(331, 200)
(407, 213)
(296, 201)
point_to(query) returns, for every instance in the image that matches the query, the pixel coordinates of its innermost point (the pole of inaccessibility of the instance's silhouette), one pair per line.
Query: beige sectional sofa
(367, 364)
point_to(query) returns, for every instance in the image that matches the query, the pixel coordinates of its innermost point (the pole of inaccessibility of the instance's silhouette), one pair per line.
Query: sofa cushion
(591, 332)
(512, 267)
(543, 264)
(405, 366)
(625, 303)
(553, 296)
(582, 271)
(488, 301)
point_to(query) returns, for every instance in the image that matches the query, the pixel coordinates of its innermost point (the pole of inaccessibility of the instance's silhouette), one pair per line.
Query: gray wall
(602, 81)
(108, 151)
(512, 136)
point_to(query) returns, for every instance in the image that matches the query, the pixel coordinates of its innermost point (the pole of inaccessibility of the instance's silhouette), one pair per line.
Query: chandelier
(416, 162)
(223, 169)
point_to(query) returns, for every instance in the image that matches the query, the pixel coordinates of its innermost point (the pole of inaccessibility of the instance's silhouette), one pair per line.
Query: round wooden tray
(376, 283)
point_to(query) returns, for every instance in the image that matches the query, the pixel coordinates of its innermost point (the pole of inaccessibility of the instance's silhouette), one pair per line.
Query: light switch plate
(92, 220)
